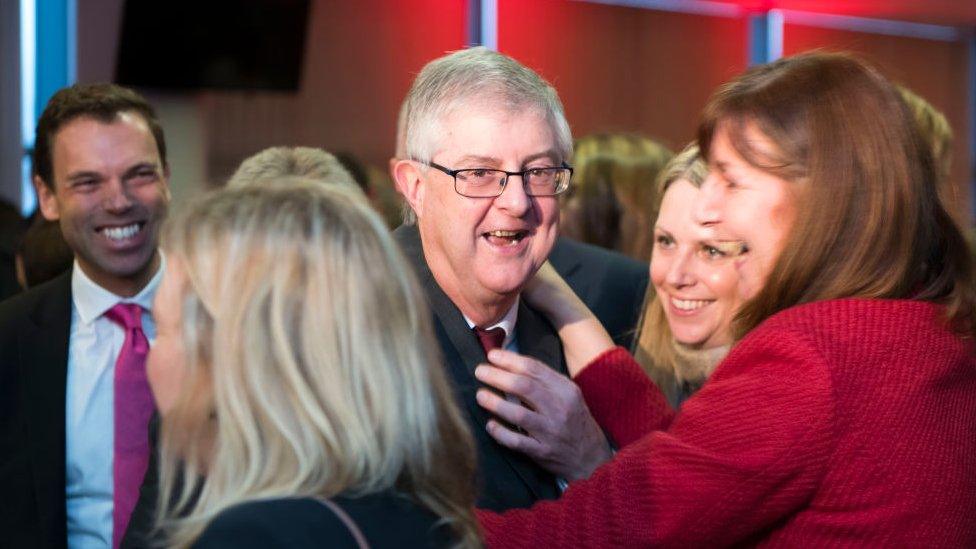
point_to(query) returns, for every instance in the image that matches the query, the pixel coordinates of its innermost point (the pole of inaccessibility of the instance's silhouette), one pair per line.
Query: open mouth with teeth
(120, 234)
(689, 305)
(504, 238)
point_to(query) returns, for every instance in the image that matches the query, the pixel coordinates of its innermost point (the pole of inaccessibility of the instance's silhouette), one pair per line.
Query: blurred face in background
(743, 203)
(695, 280)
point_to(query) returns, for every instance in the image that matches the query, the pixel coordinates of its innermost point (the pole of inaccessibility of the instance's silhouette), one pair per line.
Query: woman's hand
(583, 337)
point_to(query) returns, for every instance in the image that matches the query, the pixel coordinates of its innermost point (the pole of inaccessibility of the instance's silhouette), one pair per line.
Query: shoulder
(51, 298)
(307, 522)
(567, 251)
(287, 522)
(848, 337)
(861, 322)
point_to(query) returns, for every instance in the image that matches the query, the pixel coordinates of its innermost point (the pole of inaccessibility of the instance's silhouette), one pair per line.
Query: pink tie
(133, 408)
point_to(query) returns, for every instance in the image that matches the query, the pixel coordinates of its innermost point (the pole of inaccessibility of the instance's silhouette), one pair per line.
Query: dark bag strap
(357, 534)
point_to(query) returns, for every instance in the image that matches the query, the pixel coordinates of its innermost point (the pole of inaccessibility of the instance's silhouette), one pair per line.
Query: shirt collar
(507, 323)
(92, 301)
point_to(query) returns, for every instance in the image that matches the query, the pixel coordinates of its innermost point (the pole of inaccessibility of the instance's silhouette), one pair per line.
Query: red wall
(626, 69)
(934, 69)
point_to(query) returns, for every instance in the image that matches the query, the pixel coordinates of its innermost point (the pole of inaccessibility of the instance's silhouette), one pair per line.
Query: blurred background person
(42, 254)
(12, 227)
(274, 163)
(853, 386)
(377, 185)
(296, 373)
(937, 134)
(686, 328)
(611, 203)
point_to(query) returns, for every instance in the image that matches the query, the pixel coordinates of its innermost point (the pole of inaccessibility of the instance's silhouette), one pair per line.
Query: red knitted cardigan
(846, 423)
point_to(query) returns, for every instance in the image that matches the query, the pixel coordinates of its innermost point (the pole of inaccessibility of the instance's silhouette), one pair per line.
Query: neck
(695, 365)
(124, 286)
(480, 309)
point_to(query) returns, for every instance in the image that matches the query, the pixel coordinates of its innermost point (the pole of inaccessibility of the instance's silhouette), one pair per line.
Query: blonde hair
(311, 367)
(274, 163)
(654, 347)
(614, 181)
(936, 131)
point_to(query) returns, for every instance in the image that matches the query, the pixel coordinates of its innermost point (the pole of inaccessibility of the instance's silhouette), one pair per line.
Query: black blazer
(506, 479)
(385, 520)
(34, 333)
(611, 284)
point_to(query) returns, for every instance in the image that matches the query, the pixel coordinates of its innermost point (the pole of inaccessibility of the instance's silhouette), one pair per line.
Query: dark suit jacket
(384, 519)
(507, 479)
(611, 284)
(34, 333)
(35, 329)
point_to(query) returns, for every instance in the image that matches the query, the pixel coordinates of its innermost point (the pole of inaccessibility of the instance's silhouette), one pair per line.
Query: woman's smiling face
(695, 280)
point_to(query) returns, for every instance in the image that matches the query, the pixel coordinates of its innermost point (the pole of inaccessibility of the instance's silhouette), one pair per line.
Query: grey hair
(472, 74)
(278, 163)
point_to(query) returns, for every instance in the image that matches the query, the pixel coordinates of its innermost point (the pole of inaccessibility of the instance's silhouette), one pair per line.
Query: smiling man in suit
(74, 403)
(487, 146)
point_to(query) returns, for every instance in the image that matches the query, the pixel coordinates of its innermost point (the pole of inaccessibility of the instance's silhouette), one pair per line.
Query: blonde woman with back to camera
(294, 371)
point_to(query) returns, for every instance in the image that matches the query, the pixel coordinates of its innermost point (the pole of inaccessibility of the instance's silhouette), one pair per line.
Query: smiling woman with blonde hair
(298, 381)
(686, 326)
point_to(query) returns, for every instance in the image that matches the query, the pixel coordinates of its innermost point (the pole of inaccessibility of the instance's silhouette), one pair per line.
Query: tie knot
(127, 315)
(490, 339)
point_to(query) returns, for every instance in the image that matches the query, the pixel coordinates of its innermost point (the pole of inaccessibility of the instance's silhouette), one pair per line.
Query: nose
(708, 207)
(116, 197)
(679, 274)
(513, 199)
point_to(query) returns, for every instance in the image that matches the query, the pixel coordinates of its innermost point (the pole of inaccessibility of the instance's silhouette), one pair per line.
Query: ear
(411, 183)
(47, 200)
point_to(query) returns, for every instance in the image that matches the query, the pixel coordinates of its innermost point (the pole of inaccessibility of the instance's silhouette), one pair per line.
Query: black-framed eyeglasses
(489, 183)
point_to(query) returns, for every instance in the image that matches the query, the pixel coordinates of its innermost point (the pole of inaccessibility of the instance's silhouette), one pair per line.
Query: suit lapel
(568, 263)
(538, 339)
(463, 353)
(44, 361)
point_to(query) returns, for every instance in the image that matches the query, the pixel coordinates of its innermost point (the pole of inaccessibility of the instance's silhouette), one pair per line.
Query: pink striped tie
(133, 408)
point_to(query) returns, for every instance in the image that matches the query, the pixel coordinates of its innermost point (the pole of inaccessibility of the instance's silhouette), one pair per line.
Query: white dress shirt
(94, 345)
(507, 323)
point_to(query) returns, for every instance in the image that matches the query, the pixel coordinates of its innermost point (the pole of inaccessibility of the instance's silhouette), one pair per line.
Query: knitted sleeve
(622, 399)
(745, 453)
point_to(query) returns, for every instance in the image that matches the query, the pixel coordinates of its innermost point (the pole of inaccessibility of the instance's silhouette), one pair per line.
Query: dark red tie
(490, 339)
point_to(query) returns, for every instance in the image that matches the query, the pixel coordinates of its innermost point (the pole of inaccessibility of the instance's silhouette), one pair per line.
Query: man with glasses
(487, 146)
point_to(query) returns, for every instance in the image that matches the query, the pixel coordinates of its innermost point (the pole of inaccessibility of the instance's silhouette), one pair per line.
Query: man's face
(110, 195)
(482, 251)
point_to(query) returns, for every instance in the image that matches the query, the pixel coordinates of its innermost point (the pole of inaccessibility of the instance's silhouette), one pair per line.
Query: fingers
(515, 441)
(513, 412)
(507, 382)
(516, 363)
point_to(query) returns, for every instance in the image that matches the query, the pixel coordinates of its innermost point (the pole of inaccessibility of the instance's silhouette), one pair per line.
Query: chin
(505, 286)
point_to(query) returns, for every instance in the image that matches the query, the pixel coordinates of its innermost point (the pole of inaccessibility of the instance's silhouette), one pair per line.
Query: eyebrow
(140, 166)
(493, 162)
(83, 175)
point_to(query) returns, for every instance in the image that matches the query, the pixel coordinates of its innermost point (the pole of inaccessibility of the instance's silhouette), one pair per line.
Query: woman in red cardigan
(846, 413)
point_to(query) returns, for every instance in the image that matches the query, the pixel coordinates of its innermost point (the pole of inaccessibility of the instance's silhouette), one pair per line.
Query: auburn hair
(869, 221)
